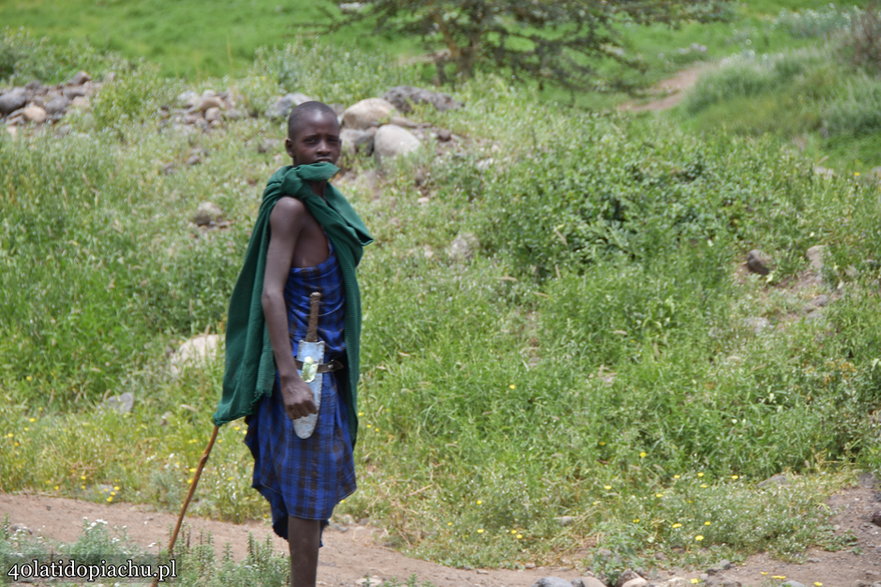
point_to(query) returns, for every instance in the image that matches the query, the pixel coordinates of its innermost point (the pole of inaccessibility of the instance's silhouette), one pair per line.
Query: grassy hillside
(601, 358)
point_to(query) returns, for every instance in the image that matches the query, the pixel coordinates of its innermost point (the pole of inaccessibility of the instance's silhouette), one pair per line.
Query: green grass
(591, 360)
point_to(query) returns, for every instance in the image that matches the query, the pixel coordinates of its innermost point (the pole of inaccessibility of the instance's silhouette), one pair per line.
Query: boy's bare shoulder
(288, 212)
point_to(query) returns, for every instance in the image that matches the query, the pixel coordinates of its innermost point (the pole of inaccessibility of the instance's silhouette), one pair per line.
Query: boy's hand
(297, 398)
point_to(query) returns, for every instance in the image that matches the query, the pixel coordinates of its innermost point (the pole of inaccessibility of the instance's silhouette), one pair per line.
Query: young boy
(307, 238)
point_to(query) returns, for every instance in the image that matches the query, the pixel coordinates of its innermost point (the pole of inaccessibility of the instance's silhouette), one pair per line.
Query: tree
(559, 40)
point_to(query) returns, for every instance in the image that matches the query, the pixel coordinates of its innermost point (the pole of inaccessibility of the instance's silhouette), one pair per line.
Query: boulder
(13, 100)
(815, 257)
(121, 404)
(55, 104)
(367, 113)
(79, 79)
(403, 98)
(758, 262)
(207, 213)
(35, 114)
(198, 350)
(356, 141)
(552, 582)
(282, 107)
(209, 102)
(393, 141)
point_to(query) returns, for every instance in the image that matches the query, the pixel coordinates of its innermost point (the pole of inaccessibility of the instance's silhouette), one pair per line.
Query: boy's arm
(285, 223)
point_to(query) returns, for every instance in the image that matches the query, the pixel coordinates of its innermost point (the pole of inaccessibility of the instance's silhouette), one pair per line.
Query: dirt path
(669, 92)
(354, 552)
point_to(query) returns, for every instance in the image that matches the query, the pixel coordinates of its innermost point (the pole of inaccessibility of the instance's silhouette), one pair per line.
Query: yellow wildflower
(677, 525)
(698, 538)
(643, 455)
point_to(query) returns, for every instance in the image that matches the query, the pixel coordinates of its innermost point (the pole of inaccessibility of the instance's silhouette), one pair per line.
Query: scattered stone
(815, 256)
(198, 350)
(121, 404)
(637, 582)
(207, 213)
(757, 324)
(212, 115)
(367, 113)
(565, 520)
(357, 141)
(443, 135)
(373, 581)
(13, 100)
(350, 7)
(209, 102)
(402, 121)
(675, 582)
(79, 79)
(876, 518)
(194, 159)
(463, 246)
(792, 583)
(723, 565)
(35, 114)
(188, 99)
(404, 97)
(282, 107)
(56, 104)
(591, 582)
(626, 577)
(824, 171)
(758, 262)
(778, 479)
(72, 92)
(552, 582)
(393, 141)
(20, 529)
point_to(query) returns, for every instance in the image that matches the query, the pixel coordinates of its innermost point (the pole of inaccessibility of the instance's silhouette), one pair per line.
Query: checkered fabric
(306, 478)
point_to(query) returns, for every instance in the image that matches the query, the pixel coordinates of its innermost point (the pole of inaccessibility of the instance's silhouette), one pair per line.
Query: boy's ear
(289, 147)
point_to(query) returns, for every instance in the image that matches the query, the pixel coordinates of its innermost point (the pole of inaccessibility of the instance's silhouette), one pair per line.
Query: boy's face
(316, 139)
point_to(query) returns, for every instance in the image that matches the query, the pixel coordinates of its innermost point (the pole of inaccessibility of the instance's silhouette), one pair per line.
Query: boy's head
(313, 134)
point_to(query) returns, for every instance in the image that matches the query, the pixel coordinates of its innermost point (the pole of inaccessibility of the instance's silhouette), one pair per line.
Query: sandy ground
(354, 552)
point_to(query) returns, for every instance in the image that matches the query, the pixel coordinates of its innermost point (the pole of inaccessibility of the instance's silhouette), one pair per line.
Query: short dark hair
(302, 110)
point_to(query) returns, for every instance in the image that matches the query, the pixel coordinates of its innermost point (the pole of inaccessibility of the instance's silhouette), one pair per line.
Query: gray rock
(367, 113)
(56, 104)
(207, 213)
(357, 141)
(35, 114)
(212, 114)
(778, 479)
(876, 517)
(675, 582)
(552, 582)
(562, 520)
(79, 79)
(723, 565)
(209, 102)
(282, 107)
(636, 582)
(816, 256)
(818, 302)
(350, 7)
(443, 135)
(393, 141)
(403, 97)
(73, 92)
(758, 262)
(626, 577)
(592, 582)
(188, 99)
(463, 246)
(121, 404)
(198, 350)
(13, 100)
(792, 583)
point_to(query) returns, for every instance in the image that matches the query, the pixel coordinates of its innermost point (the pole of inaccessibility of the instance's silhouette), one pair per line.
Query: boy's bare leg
(304, 537)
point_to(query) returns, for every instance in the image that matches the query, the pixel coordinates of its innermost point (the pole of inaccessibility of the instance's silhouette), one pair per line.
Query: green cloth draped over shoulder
(250, 365)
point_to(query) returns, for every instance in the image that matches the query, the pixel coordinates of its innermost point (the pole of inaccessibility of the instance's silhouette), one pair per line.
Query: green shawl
(250, 365)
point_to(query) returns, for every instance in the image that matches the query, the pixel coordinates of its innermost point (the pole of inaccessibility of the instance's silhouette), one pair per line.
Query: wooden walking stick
(183, 509)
